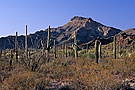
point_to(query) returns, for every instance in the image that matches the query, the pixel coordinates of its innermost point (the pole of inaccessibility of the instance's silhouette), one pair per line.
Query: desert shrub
(82, 73)
(20, 81)
(86, 74)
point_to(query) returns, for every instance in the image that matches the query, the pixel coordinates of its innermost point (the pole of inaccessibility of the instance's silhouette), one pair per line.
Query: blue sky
(38, 14)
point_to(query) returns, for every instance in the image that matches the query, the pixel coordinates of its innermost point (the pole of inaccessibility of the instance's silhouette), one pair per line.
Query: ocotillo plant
(48, 43)
(75, 45)
(65, 50)
(114, 47)
(100, 51)
(26, 44)
(96, 50)
(54, 48)
(16, 47)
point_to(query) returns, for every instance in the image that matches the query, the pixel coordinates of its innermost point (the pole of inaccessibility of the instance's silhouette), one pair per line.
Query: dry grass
(80, 74)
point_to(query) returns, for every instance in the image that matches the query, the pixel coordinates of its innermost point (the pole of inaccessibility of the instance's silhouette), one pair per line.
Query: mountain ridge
(87, 29)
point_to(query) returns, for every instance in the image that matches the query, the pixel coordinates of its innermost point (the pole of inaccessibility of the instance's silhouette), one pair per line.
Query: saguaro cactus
(29, 54)
(26, 44)
(48, 43)
(87, 47)
(0, 52)
(114, 47)
(75, 45)
(42, 45)
(65, 50)
(54, 49)
(70, 50)
(100, 51)
(96, 50)
(119, 46)
(16, 47)
(11, 58)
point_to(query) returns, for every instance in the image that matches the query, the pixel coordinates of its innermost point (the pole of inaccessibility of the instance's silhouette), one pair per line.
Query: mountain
(87, 30)
(130, 31)
(127, 38)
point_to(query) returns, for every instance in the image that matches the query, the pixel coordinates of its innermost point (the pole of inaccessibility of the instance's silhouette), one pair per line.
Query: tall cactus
(11, 58)
(29, 54)
(75, 45)
(42, 45)
(72, 49)
(65, 50)
(26, 43)
(87, 47)
(0, 52)
(119, 46)
(96, 51)
(114, 47)
(16, 46)
(100, 51)
(48, 43)
(54, 49)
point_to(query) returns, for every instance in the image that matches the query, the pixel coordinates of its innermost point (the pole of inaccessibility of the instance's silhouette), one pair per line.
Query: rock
(128, 84)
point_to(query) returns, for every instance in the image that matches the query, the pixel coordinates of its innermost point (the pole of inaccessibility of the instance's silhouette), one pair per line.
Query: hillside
(87, 30)
(130, 31)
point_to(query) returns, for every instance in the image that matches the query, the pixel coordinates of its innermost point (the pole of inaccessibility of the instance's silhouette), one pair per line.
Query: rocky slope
(127, 38)
(87, 30)
(130, 31)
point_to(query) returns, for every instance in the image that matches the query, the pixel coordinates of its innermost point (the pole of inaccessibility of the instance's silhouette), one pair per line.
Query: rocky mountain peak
(80, 18)
(130, 31)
